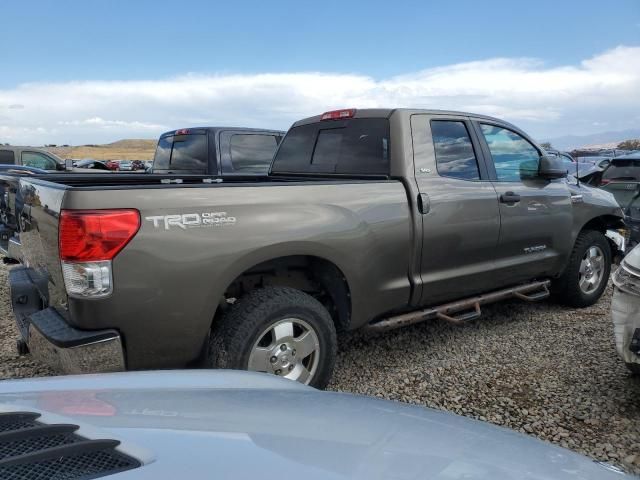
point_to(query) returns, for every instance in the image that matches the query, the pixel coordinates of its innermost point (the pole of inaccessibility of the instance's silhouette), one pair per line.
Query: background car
(624, 168)
(89, 164)
(627, 195)
(125, 166)
(30, 157)
(241, 424)
(137, 165)
(112, 165)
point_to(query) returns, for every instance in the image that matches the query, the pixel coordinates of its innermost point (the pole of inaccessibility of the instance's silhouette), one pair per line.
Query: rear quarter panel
(168, 281)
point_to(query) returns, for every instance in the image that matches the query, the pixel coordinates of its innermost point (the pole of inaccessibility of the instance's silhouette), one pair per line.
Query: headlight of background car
(626, 280)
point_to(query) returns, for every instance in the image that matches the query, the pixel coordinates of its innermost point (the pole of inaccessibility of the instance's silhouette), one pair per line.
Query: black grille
(32, 450)
(35, 444)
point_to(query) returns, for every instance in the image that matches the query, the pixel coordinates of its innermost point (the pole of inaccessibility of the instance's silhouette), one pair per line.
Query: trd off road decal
(192, 220)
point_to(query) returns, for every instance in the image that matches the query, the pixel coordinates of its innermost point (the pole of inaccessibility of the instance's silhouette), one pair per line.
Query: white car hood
(223, 424)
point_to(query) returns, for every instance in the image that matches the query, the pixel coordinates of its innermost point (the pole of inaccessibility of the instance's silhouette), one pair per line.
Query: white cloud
(547, 101)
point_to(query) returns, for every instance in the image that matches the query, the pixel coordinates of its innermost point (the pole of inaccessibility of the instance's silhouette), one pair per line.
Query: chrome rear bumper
(76, 351)
(52, 340)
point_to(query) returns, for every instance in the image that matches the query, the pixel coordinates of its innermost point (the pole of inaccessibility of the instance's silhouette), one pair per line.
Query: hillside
(128, 149)
(569, 142)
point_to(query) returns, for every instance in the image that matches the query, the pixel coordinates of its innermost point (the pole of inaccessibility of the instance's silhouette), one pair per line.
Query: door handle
(424, 205)
(509, 198)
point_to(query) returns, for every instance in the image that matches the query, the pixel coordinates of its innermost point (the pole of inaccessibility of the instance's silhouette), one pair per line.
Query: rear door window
(181, 153)
(252, 153)
(7, 157)
(357, 146)
(455, 156)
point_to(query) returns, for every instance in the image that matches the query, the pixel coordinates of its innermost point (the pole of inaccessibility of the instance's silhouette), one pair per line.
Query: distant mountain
(602, 139)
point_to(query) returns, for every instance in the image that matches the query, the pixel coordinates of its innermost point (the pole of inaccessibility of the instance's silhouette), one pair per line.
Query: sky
(98, 71)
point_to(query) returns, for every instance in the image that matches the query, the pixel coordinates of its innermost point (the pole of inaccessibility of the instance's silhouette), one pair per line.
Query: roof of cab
(218, 129)
(387, 112)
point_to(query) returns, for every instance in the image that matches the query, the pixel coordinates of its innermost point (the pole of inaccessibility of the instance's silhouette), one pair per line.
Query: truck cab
(31, 157)
(216, 151)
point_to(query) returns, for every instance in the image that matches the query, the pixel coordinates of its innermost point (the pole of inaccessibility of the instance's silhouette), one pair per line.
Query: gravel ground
(539, 368)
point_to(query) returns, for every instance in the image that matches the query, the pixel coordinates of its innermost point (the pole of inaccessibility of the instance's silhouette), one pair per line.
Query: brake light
(338, 114)
(604, 181)
(182, 131)
(94, 235)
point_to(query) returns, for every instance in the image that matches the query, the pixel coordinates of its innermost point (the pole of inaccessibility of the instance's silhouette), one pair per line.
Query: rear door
(459, 206)
(246, 152)
(535, 214)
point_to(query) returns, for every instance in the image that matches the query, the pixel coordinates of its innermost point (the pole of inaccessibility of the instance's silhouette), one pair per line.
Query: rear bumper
(52, 340)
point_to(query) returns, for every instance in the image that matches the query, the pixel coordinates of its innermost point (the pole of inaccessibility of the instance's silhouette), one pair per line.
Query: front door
(535, 214)
(459, 209)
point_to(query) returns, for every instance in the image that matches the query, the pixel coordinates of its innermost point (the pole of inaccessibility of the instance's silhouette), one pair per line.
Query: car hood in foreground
(240, 425)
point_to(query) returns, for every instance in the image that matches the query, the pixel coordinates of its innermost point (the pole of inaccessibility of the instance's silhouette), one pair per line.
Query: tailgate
(39, 218)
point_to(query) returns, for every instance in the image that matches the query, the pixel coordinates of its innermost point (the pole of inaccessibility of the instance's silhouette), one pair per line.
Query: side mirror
(68, 164)
(551, 168)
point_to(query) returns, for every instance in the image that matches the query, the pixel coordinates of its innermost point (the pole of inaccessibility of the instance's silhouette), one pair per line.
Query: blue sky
(61, 43)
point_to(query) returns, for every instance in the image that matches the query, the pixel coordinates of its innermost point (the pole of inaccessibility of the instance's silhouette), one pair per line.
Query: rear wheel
(277, 330)
(586, 275)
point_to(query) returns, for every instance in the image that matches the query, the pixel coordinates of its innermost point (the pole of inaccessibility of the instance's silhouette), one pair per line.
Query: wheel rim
(289, 348)
(591, 269)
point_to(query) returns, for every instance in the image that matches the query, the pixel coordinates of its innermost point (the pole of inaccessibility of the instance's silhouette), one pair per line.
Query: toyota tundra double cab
(373, 218)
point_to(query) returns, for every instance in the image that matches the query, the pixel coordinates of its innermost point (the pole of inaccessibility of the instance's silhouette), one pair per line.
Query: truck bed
(170, 272)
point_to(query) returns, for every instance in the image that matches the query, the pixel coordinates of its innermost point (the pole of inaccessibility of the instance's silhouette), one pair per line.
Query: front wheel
(278, 330)
(586, 275)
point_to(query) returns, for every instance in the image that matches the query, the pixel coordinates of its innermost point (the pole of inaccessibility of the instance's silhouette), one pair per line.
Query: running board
(463, 310)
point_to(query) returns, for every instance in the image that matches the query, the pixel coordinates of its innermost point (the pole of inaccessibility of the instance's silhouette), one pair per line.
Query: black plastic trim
(58, 332)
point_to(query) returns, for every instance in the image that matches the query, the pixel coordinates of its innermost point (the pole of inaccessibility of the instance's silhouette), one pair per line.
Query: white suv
(625, 309)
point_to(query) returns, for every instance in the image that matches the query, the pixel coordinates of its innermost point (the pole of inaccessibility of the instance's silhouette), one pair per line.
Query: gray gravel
(541, 369)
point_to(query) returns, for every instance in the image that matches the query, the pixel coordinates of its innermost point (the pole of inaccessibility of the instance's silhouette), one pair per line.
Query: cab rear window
(184, 153)
(357, 146)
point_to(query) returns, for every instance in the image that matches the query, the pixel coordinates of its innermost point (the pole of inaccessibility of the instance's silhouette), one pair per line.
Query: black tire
(634, 368)
(234, 336)
(566, 288)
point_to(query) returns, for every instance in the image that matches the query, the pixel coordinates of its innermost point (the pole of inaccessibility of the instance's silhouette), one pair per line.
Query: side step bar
(463, 310)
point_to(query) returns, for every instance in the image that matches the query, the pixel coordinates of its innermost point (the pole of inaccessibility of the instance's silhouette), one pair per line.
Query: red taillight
(93, 235)
(338, 114)
(604, 181)
(182, 131)
(76, 403)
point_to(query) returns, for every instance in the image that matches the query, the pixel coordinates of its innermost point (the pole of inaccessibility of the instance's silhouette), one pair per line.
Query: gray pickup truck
(371, 218)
